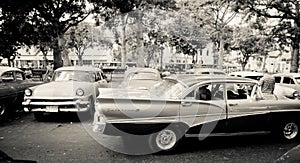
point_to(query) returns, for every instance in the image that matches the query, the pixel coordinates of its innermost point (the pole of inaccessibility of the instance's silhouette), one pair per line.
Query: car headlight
(79, 92)
(296, 94)
(28, 92)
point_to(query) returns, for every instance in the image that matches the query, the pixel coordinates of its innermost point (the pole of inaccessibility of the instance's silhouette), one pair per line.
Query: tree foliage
(285, 20)
(214, 16)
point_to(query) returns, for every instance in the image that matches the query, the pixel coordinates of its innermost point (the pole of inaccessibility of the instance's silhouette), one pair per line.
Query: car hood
(60, 89)
(119, 93)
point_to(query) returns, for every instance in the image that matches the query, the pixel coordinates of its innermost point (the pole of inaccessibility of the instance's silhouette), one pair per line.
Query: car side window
(277, 79)
(7, 76)
(237, 91)
(288, 80)
(209, 92)
(19, 76)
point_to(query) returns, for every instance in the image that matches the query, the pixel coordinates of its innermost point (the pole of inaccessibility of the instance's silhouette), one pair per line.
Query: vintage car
(287, 84)
(198, 107)
(247, 74)
(205, 71)
(140, 78)
(71, 89)
(12, 86)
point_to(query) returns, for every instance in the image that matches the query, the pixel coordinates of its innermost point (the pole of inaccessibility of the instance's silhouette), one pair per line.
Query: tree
(249, 44)
(82, 37)
(14, 30)
(285, 18)
(214, 16)
(110, 8)
(54, 18)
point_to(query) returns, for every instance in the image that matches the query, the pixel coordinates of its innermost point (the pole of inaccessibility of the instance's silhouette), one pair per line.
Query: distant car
(140, 78)
(247, 74)
(287, 84)
(205, 71)
(12, 86)
(71, 89)
(183, 110)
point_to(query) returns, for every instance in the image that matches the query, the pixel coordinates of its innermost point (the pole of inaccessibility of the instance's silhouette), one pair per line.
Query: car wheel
(165, 140)
(289, 130)
(39, 116)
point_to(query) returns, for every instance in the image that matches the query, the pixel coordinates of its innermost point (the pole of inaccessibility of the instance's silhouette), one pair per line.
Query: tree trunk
(295, 56)
(57, 58)
(123, 48)
(80, 61)
(221, 51)
(295, 43)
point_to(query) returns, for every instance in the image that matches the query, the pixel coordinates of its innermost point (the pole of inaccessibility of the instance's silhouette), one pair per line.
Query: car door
(8, 86)
(246, 114)
(204, 116)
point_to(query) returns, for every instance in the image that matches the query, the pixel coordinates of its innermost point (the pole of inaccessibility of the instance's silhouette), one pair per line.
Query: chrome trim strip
(146, 120)
(229, 134)
(61, 110)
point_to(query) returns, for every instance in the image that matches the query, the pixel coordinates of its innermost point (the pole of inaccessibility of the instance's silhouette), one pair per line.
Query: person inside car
(204, 93)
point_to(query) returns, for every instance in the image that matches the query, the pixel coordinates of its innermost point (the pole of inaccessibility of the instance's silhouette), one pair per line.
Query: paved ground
(64, 139)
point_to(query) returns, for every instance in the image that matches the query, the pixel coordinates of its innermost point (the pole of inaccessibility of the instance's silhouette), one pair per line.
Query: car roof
(288, 74)
(246, 73)
(211, 70)
(212, 79)
(5, 69)
(79, 68)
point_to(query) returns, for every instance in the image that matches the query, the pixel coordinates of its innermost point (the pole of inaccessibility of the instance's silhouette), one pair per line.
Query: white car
(247, 74)
(71, 89)
(287, 84)
(205, 71)
(140, 78)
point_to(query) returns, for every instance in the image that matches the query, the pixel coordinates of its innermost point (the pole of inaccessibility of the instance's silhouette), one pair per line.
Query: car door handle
(233, 104)
(186, 103)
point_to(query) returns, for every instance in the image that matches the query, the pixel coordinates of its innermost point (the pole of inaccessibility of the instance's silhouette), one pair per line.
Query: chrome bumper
(64, 106)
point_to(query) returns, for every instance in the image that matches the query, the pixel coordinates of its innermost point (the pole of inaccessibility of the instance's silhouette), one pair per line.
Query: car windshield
(297, 79)
(73, 75)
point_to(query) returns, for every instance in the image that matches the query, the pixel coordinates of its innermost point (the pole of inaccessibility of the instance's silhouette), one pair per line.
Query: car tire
(39, 116)
(165, 140)
(289, 130)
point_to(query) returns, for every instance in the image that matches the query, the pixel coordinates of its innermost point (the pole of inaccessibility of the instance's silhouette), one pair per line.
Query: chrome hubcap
(166, 139)
(290, 130)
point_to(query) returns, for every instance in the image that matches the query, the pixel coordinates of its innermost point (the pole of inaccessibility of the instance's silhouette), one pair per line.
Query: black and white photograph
(149, 81)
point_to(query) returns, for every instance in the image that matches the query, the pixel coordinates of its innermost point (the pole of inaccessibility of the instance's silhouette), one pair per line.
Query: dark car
(12, 86)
